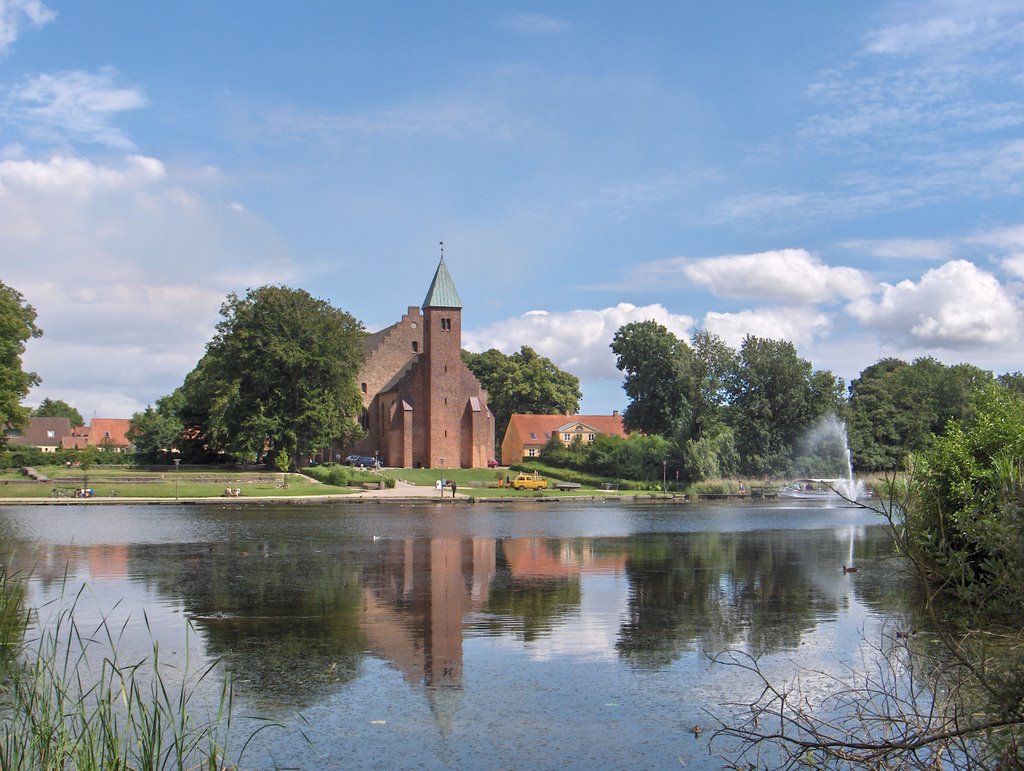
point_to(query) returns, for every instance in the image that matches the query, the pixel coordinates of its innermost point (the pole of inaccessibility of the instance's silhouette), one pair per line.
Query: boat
(826, 490)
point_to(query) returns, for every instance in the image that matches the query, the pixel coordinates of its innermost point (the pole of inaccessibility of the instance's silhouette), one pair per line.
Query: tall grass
(69, 700)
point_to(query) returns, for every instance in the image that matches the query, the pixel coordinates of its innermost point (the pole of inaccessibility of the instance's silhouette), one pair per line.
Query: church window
(446, 325)
(415, 347)
(364, 387)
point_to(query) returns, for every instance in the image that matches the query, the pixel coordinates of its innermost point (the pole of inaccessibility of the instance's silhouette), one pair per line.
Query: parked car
(366, 461)
(493, 463)
(529, 482)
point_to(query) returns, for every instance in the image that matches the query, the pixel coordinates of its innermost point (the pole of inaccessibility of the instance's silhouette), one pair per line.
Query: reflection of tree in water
(763, 590)
(283, 618)
(537, 602)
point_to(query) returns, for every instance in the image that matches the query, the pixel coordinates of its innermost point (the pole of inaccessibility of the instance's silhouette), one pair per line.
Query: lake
(493, 635)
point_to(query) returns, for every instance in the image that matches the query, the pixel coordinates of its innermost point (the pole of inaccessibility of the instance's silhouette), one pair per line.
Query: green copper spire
(442, 292)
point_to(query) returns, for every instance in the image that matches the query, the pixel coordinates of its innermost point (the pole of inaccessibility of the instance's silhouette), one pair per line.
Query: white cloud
(904, 248)
(577, 341)
(77, 177)
(954, 306)
(127, 269)
(76, 104)
(791, 275)
(14, 13)
(908, 38)
(1014, 265)
(1003, 238)
(533, 24)
(795, 325)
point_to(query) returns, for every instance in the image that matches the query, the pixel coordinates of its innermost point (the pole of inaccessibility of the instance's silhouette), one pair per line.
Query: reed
(68, 699)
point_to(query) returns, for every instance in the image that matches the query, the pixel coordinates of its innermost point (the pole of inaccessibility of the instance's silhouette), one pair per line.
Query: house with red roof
(108, 434)
(526, 435)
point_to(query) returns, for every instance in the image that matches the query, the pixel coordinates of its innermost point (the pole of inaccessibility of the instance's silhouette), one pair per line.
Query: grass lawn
(190, 483)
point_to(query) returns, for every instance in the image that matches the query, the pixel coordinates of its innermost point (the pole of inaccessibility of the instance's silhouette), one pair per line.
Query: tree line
(748, 411)
(278, 379)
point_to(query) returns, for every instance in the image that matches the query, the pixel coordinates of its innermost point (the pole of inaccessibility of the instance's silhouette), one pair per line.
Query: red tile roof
(541, 426)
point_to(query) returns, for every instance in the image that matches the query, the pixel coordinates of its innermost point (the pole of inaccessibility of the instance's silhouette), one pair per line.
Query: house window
(533, 435)
(415, 346)
(50, 433)
(590, 437)
(106, 434)
(532, 452)
(567, 437)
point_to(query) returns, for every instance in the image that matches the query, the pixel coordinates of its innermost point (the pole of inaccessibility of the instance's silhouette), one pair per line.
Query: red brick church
(422, 406)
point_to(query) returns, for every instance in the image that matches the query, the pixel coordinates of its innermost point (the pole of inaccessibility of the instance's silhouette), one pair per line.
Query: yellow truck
(529, 482)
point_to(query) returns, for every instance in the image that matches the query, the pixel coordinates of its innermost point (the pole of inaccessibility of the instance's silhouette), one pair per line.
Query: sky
(846, 176)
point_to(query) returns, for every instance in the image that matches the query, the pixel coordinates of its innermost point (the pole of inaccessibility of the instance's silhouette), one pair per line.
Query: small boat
(825, 490)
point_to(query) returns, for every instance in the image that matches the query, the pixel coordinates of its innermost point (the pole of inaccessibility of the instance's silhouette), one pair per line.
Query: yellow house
(526, 435)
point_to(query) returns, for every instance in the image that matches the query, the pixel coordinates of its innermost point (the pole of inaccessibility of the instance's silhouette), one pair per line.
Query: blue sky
(847, 176)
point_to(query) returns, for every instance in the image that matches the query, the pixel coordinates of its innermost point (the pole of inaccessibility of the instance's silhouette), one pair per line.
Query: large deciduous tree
(58, 408)
(775, 396)
(17, 326)
(279, 374)
(897, 408)
(157, 432)
(523, 382)
(655, 364)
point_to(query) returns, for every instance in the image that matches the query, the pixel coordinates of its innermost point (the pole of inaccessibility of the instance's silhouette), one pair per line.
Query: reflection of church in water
(417, 599)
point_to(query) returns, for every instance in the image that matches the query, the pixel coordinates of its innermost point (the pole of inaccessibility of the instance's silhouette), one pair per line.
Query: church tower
(442, 360)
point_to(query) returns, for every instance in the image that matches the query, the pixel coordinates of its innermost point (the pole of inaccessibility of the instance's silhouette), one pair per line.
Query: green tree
(771, 404)
(17, 326)
(524, 383)
(655, 363)
(1012, 380)
(965, 514)
(710, 368)
(897, 408)
(57, 408)
(157, 431)
(279, 374)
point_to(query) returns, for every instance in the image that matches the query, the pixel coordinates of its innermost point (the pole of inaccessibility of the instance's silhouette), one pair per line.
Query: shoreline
(428, 496)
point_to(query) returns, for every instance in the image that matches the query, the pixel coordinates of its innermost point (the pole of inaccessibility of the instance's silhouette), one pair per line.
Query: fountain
(824, 453)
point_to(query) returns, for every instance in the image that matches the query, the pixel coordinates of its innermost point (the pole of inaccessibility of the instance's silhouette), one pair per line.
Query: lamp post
(664, 470)
(177, 465)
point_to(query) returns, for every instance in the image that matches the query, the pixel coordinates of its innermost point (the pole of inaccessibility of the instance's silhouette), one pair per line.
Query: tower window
(363, 387)
(446, 325)
(415, 347)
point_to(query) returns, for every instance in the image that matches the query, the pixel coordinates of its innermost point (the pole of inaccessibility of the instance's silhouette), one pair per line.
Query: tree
(655, 362)
(771, 403)
(897, 408)
(17, 325)
(157, 431)
(524, 383)
(57, 408)
(711, 367)
(280, 373)
(1012, 380)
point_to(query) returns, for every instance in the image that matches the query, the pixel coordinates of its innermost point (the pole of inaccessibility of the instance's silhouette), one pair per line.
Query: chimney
(615, 413)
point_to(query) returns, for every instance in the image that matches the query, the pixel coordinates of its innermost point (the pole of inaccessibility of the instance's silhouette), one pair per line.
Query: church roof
(442, 292)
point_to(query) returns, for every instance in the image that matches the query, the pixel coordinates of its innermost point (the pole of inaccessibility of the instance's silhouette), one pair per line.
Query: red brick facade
(423, 405)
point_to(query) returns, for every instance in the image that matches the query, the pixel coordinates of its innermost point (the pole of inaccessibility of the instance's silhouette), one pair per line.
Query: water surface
(484, 636)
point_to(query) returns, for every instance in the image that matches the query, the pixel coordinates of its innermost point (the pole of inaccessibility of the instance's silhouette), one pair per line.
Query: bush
(964, 516)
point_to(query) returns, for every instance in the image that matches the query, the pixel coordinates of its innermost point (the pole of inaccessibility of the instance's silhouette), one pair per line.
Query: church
(422, 407)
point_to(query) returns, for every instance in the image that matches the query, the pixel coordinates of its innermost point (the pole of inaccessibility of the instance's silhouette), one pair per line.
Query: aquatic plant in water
(69, 700)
